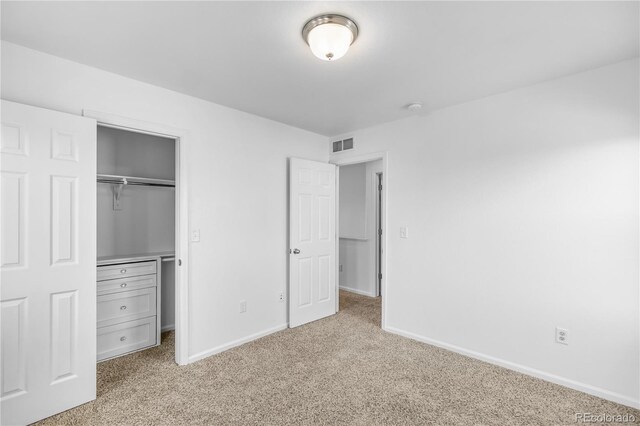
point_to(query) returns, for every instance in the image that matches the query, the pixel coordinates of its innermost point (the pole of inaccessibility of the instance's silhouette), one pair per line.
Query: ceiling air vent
(342, 145)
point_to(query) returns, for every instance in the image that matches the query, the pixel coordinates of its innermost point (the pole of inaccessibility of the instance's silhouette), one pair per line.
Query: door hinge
(379, 231)
(379, 276)
(179, 262)
(379, 187)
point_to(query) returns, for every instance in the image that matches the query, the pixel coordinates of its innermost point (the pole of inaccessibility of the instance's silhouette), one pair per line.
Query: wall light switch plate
(404, 232)
(243, 306)
(195, 236)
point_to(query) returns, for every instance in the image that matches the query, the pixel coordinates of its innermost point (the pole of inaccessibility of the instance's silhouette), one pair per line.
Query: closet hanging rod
(130, 180)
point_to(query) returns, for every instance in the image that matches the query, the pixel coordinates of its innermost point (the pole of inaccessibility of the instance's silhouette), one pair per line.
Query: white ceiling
(250, 55)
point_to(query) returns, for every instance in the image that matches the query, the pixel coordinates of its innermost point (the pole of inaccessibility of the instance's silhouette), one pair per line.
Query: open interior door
(48, 262)
(312, 244)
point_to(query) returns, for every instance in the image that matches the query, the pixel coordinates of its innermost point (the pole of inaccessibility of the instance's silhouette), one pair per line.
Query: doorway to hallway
(360, 229)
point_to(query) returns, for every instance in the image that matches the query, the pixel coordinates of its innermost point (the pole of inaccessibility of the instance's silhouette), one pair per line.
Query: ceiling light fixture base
(329, 18)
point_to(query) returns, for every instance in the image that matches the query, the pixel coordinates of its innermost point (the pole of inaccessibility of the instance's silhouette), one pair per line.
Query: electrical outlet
(562, 336)
(195, 236)
(243, 306)
(281, 296)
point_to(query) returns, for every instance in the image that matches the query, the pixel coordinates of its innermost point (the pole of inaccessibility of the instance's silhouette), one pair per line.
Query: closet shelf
(131, 180)
(354, 238)
(139, 257)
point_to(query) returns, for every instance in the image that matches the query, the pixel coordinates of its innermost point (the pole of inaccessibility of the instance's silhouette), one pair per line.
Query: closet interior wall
(145, 222)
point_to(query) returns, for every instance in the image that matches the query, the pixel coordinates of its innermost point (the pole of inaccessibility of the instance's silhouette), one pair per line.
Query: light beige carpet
(340, 370)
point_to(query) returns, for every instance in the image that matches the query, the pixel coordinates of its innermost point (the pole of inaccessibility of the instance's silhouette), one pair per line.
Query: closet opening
(137, 226)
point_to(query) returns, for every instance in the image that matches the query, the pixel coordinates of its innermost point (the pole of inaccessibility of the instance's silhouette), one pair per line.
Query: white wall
(523, 213)
(355, 262)
(358, 227)
(237, 186)
(353, 244)
(353, 208)
(145, 223)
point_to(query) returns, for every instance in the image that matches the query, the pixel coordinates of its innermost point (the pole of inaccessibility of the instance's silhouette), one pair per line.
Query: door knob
(296, 251)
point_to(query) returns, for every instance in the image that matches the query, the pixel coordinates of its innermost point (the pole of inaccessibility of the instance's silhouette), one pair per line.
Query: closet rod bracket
(117, 193)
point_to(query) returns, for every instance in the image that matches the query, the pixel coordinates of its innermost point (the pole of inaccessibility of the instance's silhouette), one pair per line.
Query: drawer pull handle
(122, 308)
(123, 271)
(123, 338)
(123, 285)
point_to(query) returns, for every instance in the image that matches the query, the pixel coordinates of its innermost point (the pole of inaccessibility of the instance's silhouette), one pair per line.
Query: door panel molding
(14, 339)
(14, 214)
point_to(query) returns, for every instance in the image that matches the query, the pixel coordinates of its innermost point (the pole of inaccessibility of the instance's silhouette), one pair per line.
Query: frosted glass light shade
(329, 36)
(330, 42)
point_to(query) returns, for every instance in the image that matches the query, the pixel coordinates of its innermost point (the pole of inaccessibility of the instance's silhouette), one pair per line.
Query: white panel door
(48, 262)
(312, 231)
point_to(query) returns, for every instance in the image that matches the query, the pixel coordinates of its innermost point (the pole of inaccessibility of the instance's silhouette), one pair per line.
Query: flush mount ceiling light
(329, 36)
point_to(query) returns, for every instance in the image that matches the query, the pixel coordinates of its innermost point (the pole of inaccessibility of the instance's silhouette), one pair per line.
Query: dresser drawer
(124, 270)
(124, 284)
(126, 306)
(126, 337)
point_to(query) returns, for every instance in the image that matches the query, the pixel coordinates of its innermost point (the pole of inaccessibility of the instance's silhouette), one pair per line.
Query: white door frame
(182, 218)
(376, 180)
(357, 159)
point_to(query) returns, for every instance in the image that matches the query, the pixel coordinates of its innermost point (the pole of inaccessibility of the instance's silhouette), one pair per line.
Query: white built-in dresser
(128, 306)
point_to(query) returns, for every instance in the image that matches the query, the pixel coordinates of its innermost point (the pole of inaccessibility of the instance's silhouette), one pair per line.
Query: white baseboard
(233, 344)
(582, 387)
(168, 327)
(356, 291)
